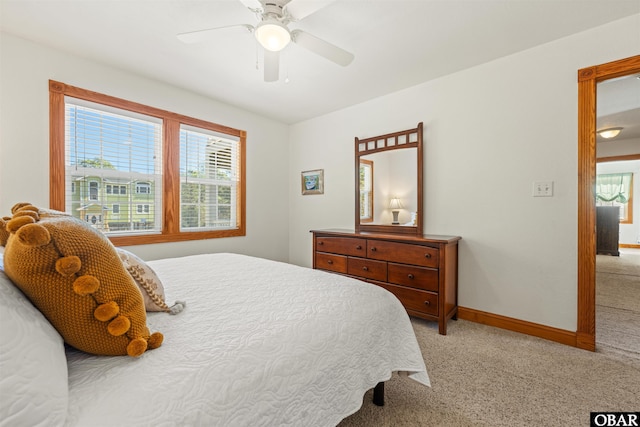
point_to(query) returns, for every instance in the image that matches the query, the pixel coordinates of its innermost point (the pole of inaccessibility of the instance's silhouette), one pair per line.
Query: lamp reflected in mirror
(395, 205)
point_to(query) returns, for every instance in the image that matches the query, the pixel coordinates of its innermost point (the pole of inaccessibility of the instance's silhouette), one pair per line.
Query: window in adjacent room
(616, 189)
(144, 175)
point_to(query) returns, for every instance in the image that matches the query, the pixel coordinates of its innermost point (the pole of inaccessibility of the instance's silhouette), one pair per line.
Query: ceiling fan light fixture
(272, 35)
(609, 132)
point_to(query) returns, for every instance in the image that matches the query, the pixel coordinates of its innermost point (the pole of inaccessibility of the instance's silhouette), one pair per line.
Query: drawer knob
(427, 255)
(320, 243)
(365, 268)
(410, 276)
(358, 247)
(427, 303)
(330, 262)
(373, 249)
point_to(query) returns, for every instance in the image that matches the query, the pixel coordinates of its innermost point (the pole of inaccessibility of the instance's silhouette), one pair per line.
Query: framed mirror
(388, 172)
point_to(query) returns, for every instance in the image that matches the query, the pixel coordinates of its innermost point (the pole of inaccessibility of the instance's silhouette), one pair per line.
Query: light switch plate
(543, 189)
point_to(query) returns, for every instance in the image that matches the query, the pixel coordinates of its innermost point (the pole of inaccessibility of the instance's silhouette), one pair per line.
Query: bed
(260, 343)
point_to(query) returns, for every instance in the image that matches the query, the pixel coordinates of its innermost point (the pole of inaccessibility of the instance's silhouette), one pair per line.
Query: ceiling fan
(273, 34)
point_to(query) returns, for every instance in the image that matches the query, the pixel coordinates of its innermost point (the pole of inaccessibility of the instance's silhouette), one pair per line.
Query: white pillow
(34, 388)
(148, 282)
(146, 279)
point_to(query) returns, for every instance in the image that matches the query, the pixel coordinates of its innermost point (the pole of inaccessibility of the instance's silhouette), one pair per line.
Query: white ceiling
(396, 43)
(619, 106)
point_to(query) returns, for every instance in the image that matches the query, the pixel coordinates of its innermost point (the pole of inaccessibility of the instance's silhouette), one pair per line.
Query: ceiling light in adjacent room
(609, 132)
(272, 35)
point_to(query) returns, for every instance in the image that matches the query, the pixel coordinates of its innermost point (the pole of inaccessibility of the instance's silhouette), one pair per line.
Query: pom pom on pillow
(148, 282)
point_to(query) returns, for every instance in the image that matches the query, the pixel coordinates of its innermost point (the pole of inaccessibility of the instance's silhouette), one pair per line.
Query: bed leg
(378, 394)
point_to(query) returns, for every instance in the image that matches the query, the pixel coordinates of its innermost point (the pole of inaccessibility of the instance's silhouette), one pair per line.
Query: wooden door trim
(587, 91)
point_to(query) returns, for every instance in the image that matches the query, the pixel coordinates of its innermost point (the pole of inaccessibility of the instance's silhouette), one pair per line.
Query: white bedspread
(260, 343)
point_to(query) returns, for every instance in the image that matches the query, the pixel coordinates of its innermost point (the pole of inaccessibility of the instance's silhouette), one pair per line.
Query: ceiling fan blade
(321, 47)
(299, 9)
(252, 5)
(271, 66)
(211, 33)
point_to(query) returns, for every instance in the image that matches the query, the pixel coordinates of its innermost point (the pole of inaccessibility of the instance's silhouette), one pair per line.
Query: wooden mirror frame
(588, 78)
(390, 141)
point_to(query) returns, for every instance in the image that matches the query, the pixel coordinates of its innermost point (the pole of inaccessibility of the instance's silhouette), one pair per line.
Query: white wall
(25, 69)
(490, 132)
(623, 147)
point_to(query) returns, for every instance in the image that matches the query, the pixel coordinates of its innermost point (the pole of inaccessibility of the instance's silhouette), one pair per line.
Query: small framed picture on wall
(313, 182)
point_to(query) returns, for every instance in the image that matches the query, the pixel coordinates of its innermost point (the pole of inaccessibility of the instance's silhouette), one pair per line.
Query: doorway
(587, 89)
(618, 230)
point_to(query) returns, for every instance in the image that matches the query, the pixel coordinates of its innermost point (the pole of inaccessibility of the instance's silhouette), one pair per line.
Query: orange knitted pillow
(73, 275)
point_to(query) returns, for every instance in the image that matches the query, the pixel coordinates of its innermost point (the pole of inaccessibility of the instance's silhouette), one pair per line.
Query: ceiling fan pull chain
(257, 57)
(283, 57)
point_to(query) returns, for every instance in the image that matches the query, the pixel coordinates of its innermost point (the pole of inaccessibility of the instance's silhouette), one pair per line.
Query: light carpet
(618, 302)
(485, 376)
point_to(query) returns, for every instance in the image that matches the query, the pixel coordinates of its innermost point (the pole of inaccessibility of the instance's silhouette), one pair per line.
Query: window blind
(113, 167)
(209, 178)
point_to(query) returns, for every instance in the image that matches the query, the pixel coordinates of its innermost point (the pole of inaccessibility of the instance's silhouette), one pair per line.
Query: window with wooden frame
(172, 177)
(616, 189)
(366, 190)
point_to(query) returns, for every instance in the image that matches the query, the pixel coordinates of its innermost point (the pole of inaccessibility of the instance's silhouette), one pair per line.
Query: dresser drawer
(403, 252)
(415, 277)
(342, 245)
(367, 268)
(331, 262)
(414, 299)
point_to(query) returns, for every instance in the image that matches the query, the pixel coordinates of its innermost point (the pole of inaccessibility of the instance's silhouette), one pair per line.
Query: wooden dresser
(421, 271)
(607, 230)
